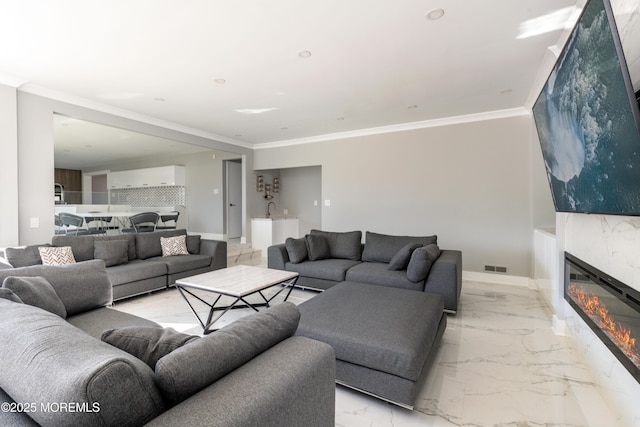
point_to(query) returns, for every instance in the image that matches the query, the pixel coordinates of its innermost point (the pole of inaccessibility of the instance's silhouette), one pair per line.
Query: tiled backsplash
(149, 196)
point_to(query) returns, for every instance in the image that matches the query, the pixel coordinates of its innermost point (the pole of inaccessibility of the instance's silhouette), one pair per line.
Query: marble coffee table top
(237, 281)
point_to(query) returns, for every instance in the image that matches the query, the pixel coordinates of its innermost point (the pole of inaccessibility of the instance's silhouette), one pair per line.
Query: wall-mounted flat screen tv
(588, 121)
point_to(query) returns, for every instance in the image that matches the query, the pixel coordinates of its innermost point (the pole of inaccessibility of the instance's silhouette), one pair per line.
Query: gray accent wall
(470, 183)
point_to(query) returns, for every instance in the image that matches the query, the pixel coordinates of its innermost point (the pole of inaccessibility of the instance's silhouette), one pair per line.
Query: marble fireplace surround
(609, 307)
(610, 243)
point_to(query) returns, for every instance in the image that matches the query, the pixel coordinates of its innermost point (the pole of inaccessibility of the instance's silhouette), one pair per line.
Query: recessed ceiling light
(304, 54)
(220, 81)
(435, 14)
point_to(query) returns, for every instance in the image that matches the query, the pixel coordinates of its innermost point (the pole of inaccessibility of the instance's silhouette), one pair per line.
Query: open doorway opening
(233, 193)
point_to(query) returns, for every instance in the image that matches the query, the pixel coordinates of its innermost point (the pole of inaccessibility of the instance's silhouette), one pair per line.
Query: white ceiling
(372, 64)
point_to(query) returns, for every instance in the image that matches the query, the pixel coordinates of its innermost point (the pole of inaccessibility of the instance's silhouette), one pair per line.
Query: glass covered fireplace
(609, 307)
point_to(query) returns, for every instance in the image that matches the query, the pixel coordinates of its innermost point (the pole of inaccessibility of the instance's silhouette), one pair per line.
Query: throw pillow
(57, 255)
(189, 369)
(342, 245)
(36, 291)
(24, 256)
(148, 344)
(421, 261)
(297, 249)
(401, 259)
(113, 252)
(8, 294)
(317, 247)
(174, 246)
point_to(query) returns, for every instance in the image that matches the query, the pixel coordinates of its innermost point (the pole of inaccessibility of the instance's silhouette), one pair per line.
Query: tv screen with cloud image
(587, 121)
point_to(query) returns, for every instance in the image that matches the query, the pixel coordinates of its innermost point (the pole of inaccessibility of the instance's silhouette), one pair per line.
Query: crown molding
(469, 118)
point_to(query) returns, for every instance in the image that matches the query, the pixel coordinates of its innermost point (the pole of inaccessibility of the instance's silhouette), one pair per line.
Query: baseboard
(502, 279)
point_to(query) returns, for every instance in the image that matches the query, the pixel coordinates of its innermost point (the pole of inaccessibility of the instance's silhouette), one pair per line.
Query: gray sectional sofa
(70, 360)
(324, 259)
(137, 266)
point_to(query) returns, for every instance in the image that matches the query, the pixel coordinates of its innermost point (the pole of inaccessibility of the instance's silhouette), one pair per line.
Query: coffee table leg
(288, 284)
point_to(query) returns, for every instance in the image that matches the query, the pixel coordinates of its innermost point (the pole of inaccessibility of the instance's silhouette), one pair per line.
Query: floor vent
(495, 269)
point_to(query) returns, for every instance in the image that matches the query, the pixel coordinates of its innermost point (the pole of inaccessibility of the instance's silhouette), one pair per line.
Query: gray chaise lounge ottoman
(384, 338)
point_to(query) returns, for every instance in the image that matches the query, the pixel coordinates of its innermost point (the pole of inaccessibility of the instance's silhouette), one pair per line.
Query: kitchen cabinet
(71, 181)
(267, 232)
(149, 177)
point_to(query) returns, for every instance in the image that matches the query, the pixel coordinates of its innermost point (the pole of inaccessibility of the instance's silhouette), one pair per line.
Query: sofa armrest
(277, 256)
(217, 250)
(445, 278)
(291, 384)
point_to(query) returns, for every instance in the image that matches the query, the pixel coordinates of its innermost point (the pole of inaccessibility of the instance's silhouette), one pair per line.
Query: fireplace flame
(619, 334)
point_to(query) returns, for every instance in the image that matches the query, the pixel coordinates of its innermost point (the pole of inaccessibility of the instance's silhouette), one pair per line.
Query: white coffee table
(238, 282)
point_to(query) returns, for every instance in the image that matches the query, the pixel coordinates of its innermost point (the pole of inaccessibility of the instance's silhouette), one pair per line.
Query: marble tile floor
(499, 365)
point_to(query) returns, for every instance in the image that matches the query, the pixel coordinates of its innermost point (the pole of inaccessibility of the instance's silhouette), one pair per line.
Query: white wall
(471, 184)
(9, 166)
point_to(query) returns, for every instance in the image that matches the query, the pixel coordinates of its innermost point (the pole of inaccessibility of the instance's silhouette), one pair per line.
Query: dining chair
(72, 224)
(171, 218)
(102, 224)
(143, 222)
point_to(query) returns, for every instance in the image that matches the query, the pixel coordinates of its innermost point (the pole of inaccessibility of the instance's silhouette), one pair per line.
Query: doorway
(233, 179)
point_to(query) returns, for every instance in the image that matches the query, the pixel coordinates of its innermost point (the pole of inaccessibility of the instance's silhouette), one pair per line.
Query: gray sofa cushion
(135, 270)
(189, 369)
(36, 291)
(193, 244)
(112, 252)
(148, 244)
(82, 246)
(401, 259)
(378, 273)
(147, 343)
(296, 249)
(393, 334)
(327, 269)
(47, 360)
(317, 247)
(342, 245)
(129, 238)
(24, 256)
(95, 322)
(421, 261)
(180, 263)
(382, 247)
(81, 286)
